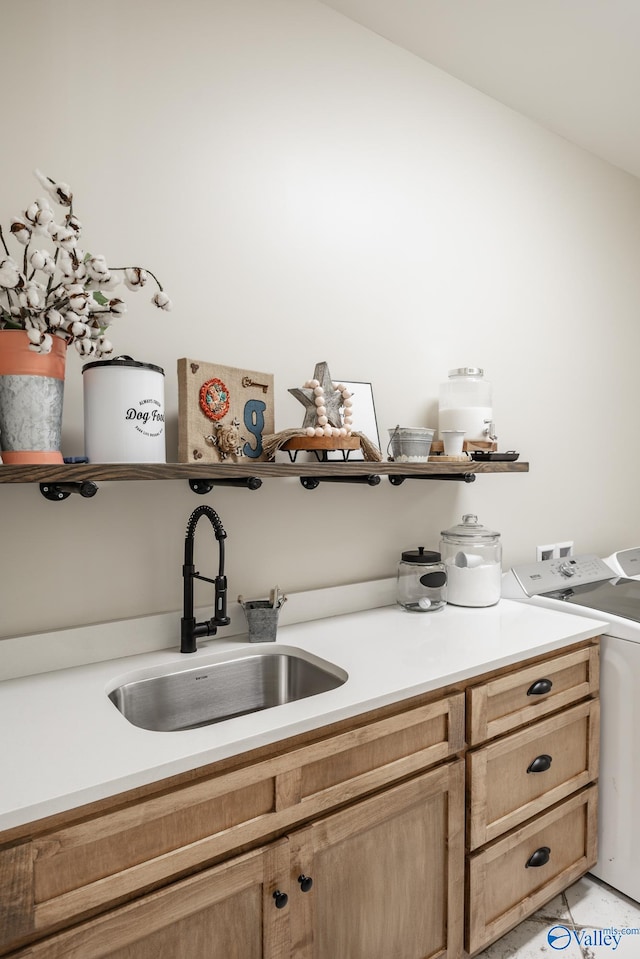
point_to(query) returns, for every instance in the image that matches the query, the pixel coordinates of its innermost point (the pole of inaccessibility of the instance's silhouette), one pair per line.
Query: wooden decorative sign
(223, 412)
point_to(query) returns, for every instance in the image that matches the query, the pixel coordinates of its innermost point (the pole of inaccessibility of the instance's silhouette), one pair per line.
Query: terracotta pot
(31, 394)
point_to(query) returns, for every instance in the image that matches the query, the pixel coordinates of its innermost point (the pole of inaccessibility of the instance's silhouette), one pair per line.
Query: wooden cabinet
(531, 802)
(366, 827)
(330, 889)
(69, 873)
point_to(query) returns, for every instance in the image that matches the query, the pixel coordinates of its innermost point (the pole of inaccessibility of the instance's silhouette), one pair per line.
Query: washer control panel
(552, 574)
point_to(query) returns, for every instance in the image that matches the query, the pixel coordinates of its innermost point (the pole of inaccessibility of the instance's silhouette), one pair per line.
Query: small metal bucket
(409, 444)
(262, 616)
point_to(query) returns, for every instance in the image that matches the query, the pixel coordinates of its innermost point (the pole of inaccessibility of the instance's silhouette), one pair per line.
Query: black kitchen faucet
(189, 629)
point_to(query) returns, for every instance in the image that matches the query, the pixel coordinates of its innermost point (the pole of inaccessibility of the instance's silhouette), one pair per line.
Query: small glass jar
(472, 557)
(422, 581)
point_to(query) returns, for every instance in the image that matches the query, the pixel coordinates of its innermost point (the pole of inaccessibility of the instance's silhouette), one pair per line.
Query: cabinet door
(387, 875)
(227, 912)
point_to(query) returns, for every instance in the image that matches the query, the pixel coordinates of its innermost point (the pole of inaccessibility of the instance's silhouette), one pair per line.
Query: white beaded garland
(323, 427)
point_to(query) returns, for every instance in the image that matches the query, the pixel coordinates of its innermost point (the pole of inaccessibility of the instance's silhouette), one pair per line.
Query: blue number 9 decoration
(254, 422)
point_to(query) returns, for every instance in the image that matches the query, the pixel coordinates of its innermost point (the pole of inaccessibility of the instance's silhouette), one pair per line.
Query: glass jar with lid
(421, 584)
(465, 403)
(472, 556)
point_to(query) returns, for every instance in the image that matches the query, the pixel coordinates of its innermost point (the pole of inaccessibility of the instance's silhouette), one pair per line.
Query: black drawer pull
(539, 858)
(540, 764)
(281, 899)
(540, 688)
(306, 882)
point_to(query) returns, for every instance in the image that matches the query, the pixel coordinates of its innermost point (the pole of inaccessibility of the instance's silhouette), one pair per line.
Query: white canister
(472, 555)
(124, 411)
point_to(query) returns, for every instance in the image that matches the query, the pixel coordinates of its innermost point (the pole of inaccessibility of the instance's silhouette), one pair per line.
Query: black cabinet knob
(540, 688)
(306, 882)
(539, 858)
(540, 764)
(281, 899)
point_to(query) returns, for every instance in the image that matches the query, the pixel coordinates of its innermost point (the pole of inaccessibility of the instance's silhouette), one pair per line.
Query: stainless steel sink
(188, 697)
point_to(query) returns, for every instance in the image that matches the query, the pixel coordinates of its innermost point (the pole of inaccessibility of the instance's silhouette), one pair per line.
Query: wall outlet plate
(554, 550)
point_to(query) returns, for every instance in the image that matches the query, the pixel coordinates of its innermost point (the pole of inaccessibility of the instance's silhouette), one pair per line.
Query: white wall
(306, 191)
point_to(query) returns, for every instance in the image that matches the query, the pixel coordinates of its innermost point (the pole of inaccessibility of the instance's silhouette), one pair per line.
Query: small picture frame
(364, 417)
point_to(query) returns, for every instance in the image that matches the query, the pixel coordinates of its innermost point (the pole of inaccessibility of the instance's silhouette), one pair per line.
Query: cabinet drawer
(503, 890)
(522, 696)
(374, 755)
(516, 777)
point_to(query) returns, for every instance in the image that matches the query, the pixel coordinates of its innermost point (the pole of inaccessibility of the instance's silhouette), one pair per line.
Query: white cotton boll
(9, 273)
(103, 346)
(65, 263)
(20, 230)
(41, 260)
(109, 283)
(97, 267)
(79, 303)
(39, 342)
(53, 318)
(135, 278)
(85, 347)
(29, 296)
(161, 300)
(61, 236)
(80, 330)
(60, 192)
(73, 223)
(31, 213)
(119, 307)
(39, 215)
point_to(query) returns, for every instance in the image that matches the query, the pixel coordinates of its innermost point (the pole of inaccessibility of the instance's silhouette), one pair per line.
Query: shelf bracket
(203, 486)
(312, 482)
(451, 477)
(59, 491)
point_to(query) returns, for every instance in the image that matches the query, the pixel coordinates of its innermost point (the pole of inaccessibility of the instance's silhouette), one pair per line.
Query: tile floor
(582, 914)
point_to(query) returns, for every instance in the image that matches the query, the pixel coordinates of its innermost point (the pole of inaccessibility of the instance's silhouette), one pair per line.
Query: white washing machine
(607, 590)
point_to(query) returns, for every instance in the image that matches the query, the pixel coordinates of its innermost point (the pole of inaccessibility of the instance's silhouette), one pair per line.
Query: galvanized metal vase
(31, 395)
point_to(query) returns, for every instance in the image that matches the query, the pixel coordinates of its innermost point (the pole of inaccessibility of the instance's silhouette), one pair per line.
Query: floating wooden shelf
(125, 472)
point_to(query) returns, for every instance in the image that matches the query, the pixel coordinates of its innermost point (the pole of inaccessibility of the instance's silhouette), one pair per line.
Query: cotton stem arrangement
(60, 290)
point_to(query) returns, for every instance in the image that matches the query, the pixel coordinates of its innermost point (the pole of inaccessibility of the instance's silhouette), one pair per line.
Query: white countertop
(65, 744)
